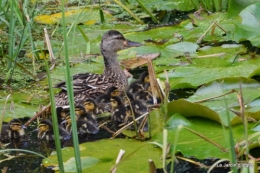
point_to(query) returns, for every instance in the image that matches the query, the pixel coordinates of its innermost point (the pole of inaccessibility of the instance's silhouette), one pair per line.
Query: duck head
(90, 105)
(113, 41)
(15, 125)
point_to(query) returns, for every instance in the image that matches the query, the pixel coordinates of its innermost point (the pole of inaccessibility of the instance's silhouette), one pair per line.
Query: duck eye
(41, 125)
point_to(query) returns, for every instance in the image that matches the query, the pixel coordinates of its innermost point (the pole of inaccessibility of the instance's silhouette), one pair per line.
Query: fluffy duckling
(46, 133)
(86, 123)
(12, 131)
(137, 105)
(83, 115)
(138, 109)
(92, 107)
(145, 95)
(61, 113)
(118, 111)
(87, 127)
(105, 98)
(138, 85)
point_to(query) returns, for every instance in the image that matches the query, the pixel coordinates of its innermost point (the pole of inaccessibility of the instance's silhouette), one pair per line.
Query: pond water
(25, 162)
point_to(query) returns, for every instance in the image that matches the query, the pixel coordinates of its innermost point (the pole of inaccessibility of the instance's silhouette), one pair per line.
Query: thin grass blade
(70, 93)
(54, 119)
(147, 11)
(129, 11)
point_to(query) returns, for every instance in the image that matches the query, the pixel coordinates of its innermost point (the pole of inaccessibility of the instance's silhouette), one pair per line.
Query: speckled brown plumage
(88, 85)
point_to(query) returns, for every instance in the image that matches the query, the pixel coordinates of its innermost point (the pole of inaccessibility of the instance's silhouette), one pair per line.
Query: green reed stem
(217, 5)
(70, 94)
(175, 147)
(54, 119)
(11, 34)
(224, 5)
(22, 150)
(129, 11)
(147, 11)
(231, 139)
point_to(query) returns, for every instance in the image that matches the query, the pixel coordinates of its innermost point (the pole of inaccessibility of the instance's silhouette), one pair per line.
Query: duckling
(87, 127)
(138, 85)
(45, 133)
(105, 98)
(137, 105)
(83, 115)
(118, 111)
(145, 95)
(12, 131)
(61, 113)
(92, 107)
(138, 109)
(87, 85)
(84, 125)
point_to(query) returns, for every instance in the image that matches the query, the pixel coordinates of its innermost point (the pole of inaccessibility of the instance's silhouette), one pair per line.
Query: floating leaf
(89, 16)
(189, 144)
(184, 47)
(103, 157)
(218, 109)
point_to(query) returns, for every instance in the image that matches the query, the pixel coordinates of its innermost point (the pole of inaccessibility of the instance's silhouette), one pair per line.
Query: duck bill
(129, 43)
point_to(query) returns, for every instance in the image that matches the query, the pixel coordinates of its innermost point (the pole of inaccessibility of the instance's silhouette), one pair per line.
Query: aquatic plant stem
(70, 94)
(54, 118)
(147, 11)
(11, 37)
(129, 11)
(231, 140)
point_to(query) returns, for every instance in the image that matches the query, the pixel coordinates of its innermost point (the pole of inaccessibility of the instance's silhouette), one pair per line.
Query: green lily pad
(219, 108)
(86, 162)
(235, 6)
(247, 29)
(104, 154)
(184, 47)
(195, 75)
(87, 16)
(250, 15)
(190, 144)
(20, 105)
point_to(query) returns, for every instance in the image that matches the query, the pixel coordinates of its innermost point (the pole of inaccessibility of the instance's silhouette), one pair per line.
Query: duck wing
(85, 85)
(86, 81)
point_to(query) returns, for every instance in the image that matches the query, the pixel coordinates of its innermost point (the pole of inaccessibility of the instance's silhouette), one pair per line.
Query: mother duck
(88, 85)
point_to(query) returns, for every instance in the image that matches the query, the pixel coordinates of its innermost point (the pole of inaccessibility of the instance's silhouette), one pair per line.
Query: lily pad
(184, 47)
(247, 28)
(190, 144)
(250, 15)
(218, 108)
(87, 16)
(107, 154)
(20, 105)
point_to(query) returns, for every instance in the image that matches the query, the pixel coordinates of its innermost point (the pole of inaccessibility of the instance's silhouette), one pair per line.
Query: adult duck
(88, 85)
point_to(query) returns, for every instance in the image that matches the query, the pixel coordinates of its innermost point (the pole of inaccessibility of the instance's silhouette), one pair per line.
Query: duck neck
(110, 61)
(112, 67)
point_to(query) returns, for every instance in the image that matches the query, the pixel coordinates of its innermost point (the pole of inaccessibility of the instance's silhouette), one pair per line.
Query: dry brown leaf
(138, 61)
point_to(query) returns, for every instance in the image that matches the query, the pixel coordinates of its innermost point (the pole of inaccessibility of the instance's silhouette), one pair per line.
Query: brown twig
(152, 167)
(125, 127)
(203, 35)
(203, 100)
(212, 55)
(207, 139)
(38, 114)
(153, 82)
